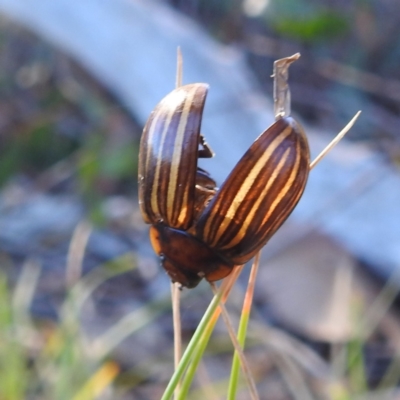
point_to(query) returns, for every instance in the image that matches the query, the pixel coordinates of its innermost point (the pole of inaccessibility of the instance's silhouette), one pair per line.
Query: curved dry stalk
(282, 102)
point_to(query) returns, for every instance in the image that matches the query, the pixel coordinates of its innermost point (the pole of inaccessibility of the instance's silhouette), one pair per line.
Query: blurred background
(85, 307)
(350, 56)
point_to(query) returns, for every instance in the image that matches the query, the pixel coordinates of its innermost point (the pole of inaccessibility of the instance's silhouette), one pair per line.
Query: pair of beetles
(199, 230)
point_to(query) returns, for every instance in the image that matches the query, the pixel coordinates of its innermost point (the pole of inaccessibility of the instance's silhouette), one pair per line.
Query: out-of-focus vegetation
(49, 360)
(59, 128)
(61, 133)
(350, 56)
(50, 110)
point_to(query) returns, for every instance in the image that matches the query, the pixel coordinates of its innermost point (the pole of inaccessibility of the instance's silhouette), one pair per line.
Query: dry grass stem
(335, 141)
(206, 383)
(176, 317)
(76, 253)
(282, 100)
(21, 301)
(179, 68)
(245, 367)
(248, 299)
(293, 378)
(175, 291)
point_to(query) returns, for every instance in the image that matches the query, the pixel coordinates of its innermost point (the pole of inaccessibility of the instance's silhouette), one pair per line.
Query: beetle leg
(202, 197)
(205, 187)
(203, 179)
(205, 190)
(205, 151)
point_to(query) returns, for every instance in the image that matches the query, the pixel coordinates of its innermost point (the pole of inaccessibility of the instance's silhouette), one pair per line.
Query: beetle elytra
(200, 231)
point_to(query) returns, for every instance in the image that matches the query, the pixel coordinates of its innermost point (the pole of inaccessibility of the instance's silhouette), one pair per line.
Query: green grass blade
(242, 331)
(191, 348)
(194, 351)
(197, 357)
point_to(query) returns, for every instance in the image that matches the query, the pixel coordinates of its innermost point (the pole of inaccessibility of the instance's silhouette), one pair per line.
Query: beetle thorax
(185, 258)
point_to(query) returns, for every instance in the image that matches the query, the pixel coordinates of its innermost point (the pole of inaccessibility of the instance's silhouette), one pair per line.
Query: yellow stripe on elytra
(286, 188)
(176, 162)
(245, 187)
(171, 105)
(250, 216)
(153, 192)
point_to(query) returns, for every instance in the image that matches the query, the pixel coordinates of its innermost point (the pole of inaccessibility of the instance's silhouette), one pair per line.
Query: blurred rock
(312, 288)
(27, 224)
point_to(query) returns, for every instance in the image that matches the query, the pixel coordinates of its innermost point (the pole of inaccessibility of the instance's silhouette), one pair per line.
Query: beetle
(198, 230)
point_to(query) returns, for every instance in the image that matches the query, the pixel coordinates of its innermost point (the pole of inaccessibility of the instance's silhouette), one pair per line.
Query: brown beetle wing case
(168, 157)
(259, 194)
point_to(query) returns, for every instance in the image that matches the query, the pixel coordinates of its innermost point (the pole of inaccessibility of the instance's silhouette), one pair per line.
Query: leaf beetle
(198, 230)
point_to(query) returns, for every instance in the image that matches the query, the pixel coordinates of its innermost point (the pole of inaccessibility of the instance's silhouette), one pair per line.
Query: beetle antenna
(335, 141)
(238, 348)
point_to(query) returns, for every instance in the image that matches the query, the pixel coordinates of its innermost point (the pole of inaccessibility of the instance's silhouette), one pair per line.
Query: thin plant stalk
(242, 331)
(206, 325)
(282, 108)
(238, 349)
(187, 355)
(295, 381)
(176, 316)
(282, 102)
(335, 141)
(282, 98)
(198, 343)
(225, 289)
(76, 253)
(207, 388)
(179, 68)
(197, 356)
(369, 323)
(175, 290)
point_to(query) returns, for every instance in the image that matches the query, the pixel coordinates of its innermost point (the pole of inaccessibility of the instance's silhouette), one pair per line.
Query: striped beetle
(201, 231)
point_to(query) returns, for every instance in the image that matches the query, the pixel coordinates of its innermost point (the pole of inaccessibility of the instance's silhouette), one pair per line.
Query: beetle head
(186, 259)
